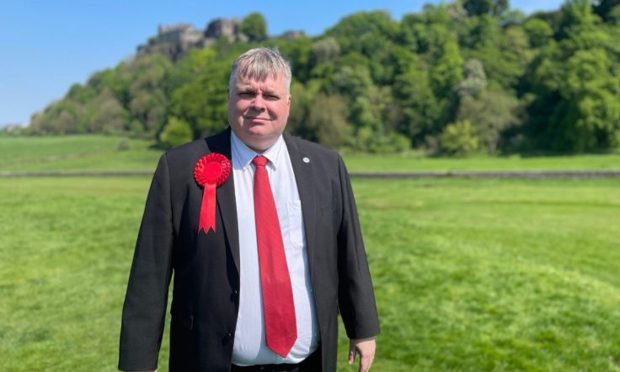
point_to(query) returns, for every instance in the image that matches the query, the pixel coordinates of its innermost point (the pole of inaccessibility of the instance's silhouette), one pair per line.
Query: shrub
(459, 138)
(176, 132)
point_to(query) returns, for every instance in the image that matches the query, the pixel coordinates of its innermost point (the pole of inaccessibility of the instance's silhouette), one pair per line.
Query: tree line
(457, 78)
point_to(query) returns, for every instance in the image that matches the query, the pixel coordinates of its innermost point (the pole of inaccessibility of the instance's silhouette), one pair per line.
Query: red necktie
(278, 306)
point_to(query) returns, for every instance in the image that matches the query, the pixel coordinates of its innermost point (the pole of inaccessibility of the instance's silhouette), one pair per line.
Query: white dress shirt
(249, 345)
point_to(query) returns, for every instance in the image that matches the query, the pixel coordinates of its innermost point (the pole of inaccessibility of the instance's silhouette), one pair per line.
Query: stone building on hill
(223, 28)
(177, 40)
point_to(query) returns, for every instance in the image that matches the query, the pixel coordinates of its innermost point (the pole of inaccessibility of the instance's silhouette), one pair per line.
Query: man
(264, 258)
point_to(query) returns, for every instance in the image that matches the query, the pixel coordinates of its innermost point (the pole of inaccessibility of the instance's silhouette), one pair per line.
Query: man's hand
(365, 348)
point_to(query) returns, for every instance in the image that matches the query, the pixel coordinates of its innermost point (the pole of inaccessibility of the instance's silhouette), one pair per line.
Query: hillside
(463, 77)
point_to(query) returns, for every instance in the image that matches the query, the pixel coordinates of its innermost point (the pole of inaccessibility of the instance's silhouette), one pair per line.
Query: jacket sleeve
(355, 293)
(147, 291)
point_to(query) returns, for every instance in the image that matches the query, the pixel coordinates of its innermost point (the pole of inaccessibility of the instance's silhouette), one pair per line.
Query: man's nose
(258, 102)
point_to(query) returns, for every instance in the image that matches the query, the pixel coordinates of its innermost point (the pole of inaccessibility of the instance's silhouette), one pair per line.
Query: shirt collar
(243, 155)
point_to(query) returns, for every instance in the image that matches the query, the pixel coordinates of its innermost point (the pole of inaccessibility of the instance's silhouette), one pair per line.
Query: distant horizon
(63, 43)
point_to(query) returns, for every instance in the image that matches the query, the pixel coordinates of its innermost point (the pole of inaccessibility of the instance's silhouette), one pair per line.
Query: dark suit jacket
(206, 266)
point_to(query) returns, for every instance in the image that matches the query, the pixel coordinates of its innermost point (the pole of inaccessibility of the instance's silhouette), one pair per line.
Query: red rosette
(211, 171)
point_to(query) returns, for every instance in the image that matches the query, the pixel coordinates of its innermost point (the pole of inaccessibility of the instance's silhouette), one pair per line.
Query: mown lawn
(76, 153)
(470, 275)
(415, 162)
(107, 153)
(495, 275)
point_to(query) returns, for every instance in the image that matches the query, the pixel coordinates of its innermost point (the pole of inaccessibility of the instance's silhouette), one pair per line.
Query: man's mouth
(256, 118)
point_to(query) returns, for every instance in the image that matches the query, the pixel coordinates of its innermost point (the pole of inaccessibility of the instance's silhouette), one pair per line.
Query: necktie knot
(260, 161)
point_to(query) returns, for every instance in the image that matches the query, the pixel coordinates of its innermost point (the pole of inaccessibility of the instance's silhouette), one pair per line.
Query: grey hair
(260, 63)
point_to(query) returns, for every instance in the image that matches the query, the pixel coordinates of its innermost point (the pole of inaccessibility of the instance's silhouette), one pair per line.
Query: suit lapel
(226, 195)
(302, 167)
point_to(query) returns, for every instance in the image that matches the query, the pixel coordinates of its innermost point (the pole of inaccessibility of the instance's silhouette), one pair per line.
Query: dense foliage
(468, 76)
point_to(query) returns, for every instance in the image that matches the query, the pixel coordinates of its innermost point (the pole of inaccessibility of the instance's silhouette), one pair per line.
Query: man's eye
(271, 97)
(246, 94)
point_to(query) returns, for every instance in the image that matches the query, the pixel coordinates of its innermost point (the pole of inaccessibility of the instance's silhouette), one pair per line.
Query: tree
(490, 114)
(147, 99)
(413, 95)
(190, 67)
(576, 105)
(298, 52)
(302, 96)
(115, 80)
(483, 7)
(459, 139)
(590, 113)
(254, 27)
(539, 32)
(364, 32)
(351, 79)
(549, 80)
(502, 51)
(577, 17)
(149, 109)
(604, 8)
(447, 71)
(62, 117)
(475, 79)
(372, 35)
(613, 16)
(202, 101)
(328, 119)
(176, 132)
(106, 115)
(324, 54)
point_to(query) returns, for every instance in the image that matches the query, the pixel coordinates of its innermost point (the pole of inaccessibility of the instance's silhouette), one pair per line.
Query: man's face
(258, 110)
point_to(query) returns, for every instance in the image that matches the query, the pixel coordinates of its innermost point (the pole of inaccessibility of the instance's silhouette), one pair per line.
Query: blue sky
(47, 45)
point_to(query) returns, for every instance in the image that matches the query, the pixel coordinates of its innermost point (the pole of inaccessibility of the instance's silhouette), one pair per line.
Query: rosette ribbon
(210, 172)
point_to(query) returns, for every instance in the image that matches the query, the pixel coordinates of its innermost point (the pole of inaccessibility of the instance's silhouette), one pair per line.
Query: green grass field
(495, 275)
(470, 275)
(104, 153)
(71, 153)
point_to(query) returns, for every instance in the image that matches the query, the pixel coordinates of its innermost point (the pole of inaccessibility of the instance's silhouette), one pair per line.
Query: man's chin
(257, 126)
(260, 140)
(257, 133)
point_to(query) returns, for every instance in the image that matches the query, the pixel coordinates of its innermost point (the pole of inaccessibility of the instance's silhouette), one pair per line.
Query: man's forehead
(253, 83)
